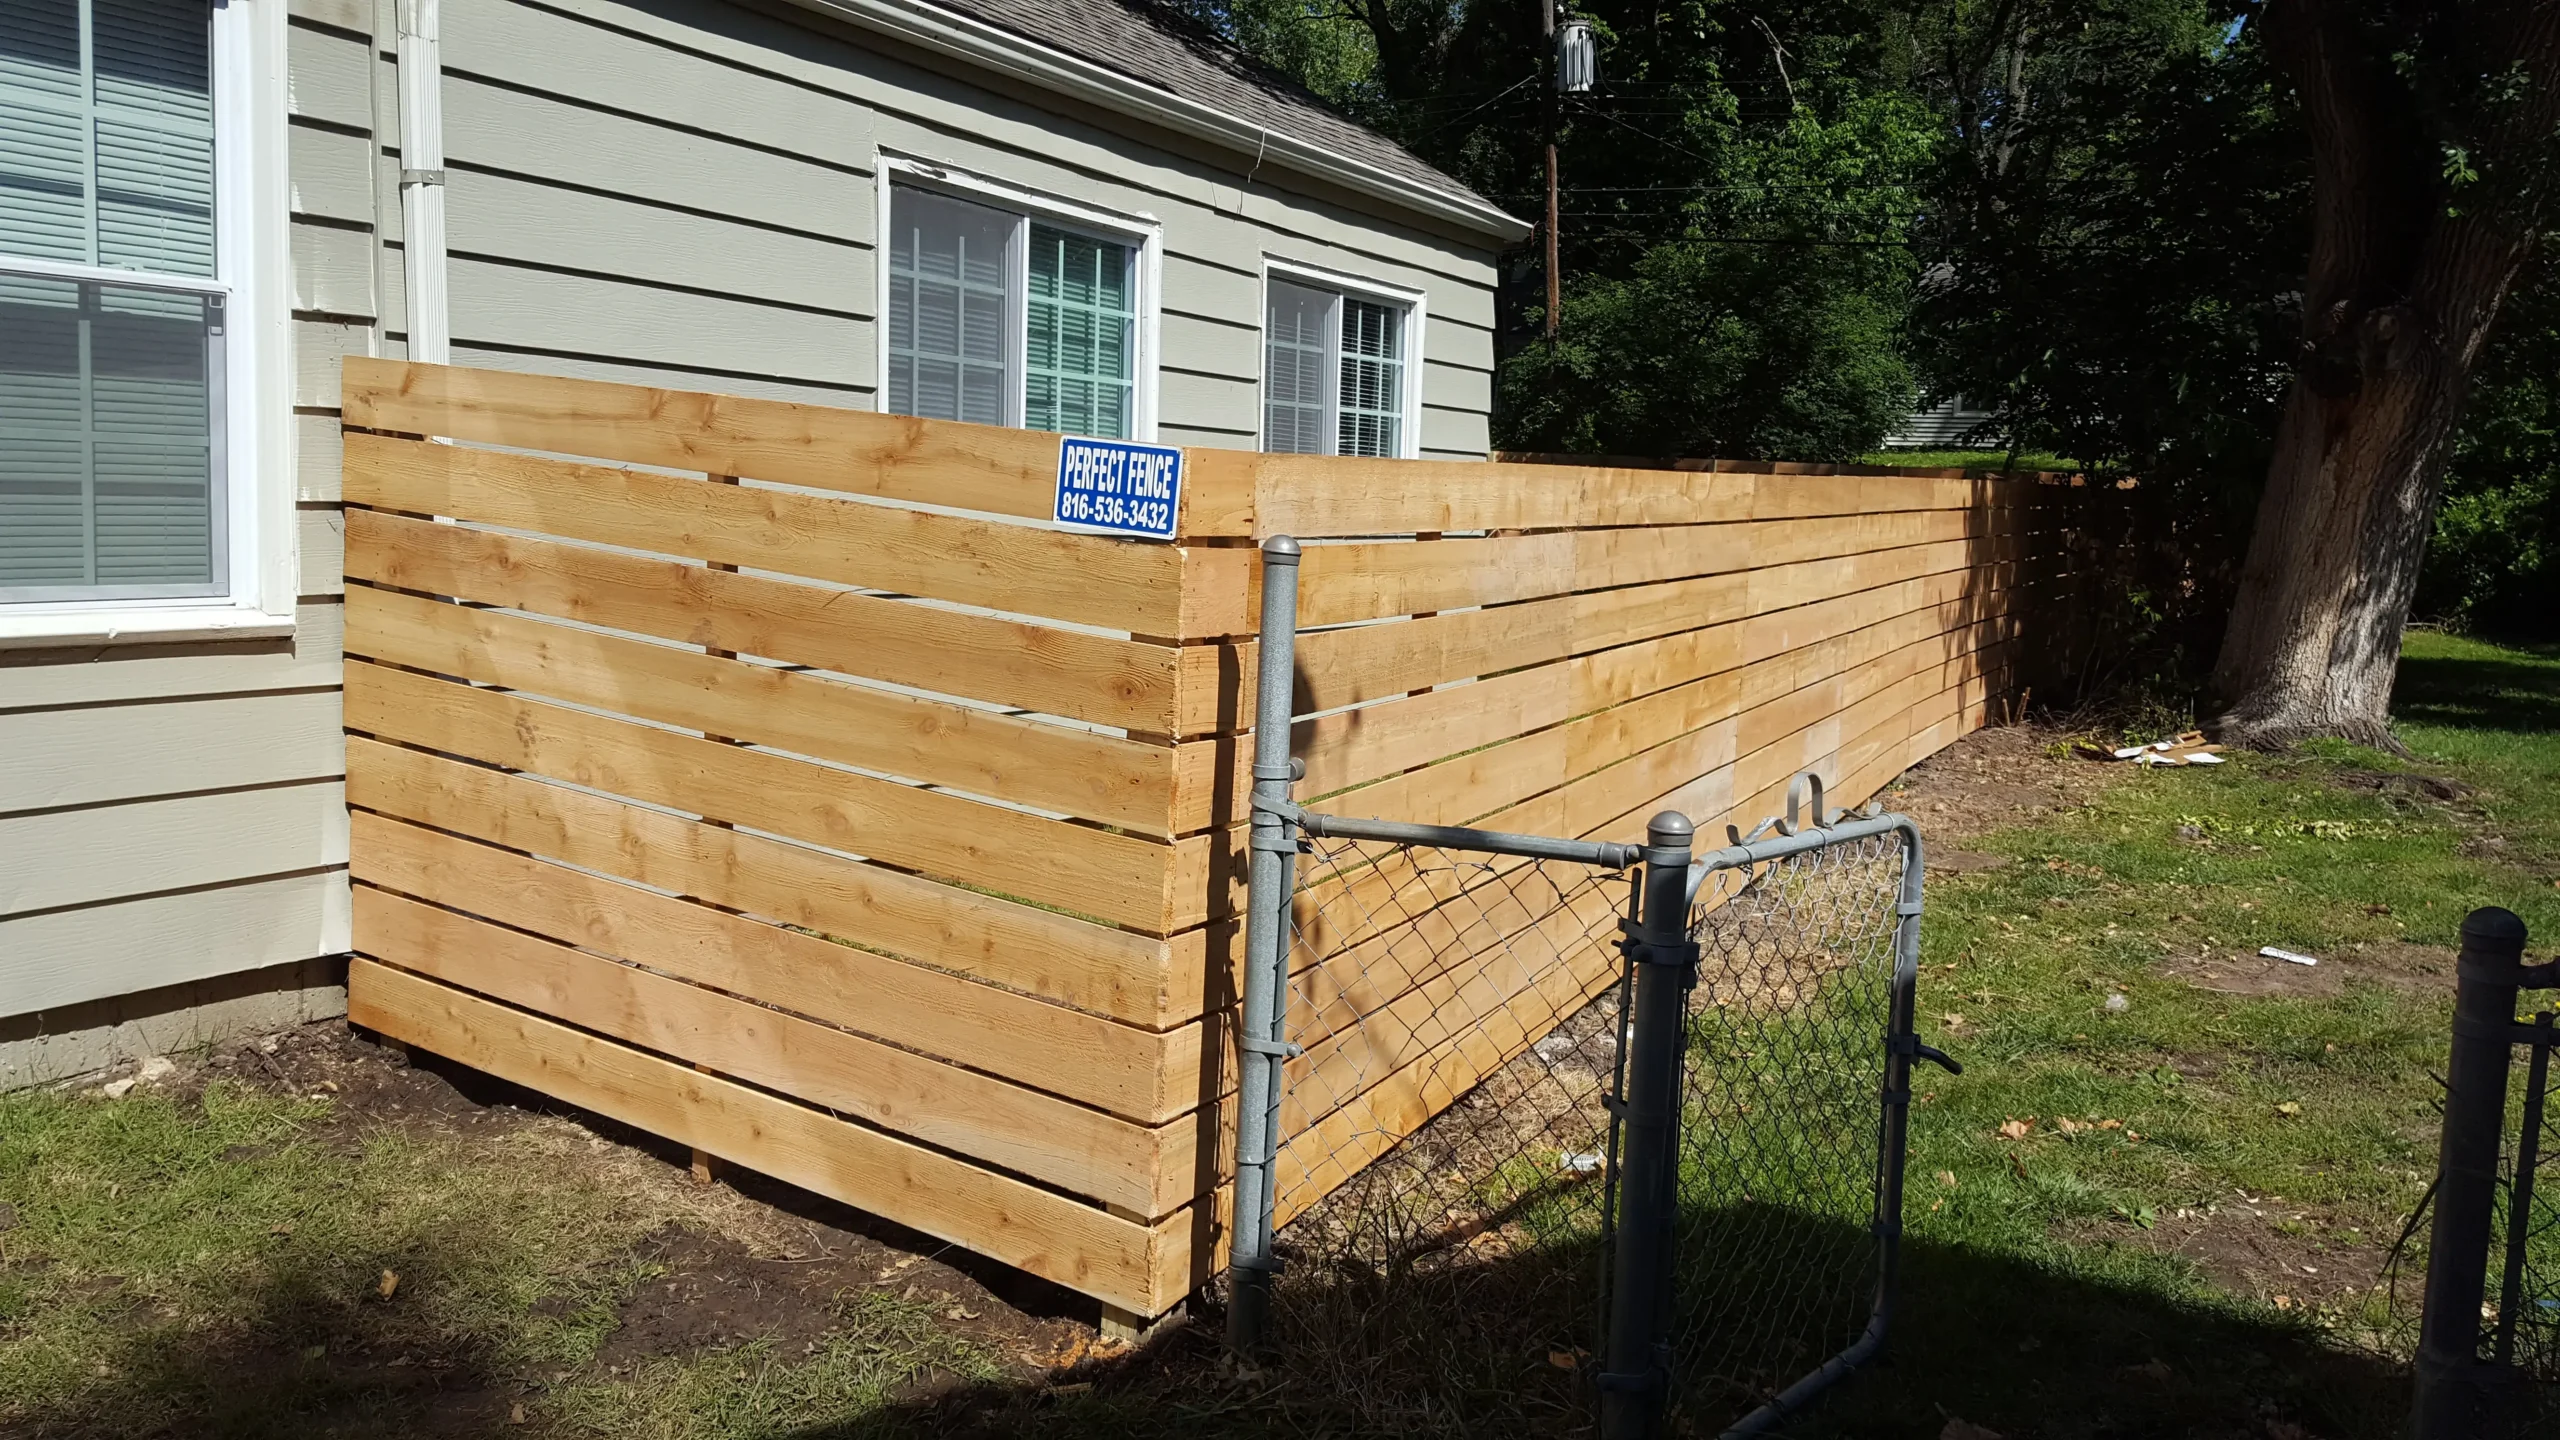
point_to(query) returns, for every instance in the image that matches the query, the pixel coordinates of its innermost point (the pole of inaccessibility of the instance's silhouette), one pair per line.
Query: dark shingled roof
(1163, 48)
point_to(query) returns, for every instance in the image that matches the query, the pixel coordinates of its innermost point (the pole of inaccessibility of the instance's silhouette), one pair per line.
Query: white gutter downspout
(422, 182)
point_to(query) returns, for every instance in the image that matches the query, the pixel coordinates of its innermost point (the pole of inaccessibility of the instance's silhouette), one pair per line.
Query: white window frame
(1358, 287)
(253, 272)
(1142, 232)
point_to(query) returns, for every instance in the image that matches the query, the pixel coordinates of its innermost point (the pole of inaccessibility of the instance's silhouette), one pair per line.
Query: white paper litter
(2273, 953)
(2201, 759)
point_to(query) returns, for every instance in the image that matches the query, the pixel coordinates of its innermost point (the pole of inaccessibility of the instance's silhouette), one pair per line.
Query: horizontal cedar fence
(776, 779)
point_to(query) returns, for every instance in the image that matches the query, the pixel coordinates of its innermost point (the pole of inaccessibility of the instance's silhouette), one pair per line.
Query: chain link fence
(1538, 1136)
(1781, 1150)
(1445, 1135)
(2522, 1328)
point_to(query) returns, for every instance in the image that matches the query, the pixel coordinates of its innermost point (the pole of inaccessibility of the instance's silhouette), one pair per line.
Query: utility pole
(1555, 100)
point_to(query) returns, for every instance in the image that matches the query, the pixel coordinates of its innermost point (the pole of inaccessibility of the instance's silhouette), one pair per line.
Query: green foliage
(2495, 562)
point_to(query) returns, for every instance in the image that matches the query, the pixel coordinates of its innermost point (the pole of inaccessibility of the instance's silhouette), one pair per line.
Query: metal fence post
(1634, 1386)
(2460, 1395)
(1260, 1048)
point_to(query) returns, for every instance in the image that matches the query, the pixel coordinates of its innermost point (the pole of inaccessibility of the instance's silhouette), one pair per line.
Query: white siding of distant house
(1947, 425)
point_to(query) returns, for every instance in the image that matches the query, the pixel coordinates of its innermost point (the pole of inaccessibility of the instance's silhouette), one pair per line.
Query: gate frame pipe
(1260, 1049)
(1637, 1380)
(2460, 1396)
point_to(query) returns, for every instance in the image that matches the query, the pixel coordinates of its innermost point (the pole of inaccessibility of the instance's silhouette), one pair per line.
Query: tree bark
(2402, 291)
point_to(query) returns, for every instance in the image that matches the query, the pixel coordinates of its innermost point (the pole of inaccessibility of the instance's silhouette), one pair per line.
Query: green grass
(212, 1267)
(215, 1266)
(1970, 460)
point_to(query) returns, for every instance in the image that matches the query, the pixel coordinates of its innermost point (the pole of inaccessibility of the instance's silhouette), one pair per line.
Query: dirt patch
(709, 1292)
(2437, 789)
(2291, 1257)
(1991, 780)
(2415, 969)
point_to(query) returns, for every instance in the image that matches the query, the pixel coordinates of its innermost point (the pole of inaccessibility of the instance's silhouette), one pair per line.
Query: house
(1066, 214)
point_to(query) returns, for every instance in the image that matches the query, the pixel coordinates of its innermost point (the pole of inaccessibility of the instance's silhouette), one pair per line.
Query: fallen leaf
(515, 1414)
(1951, 1020)
(2283, 1302)
(2110, 1124)
(2013, 1130)
(281, 1227)
(2289, 1108)
(959, 1312)
(1947, 1178)
(390, 1282)
(1561, 1359)
(2067, 1125)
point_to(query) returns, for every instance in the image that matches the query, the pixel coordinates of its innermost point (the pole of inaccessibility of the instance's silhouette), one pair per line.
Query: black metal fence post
(2461, 1396)
(1633, 1387)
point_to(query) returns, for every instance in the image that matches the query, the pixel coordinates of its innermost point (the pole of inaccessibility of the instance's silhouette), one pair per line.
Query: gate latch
(1910, 1045)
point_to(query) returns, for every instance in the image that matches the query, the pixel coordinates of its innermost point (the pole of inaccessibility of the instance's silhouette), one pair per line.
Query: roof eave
(931, 27)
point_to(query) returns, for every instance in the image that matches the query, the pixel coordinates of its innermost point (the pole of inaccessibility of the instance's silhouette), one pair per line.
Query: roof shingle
(1171, 52)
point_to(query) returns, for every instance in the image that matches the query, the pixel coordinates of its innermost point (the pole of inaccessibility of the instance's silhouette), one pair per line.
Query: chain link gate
(1553, 1126)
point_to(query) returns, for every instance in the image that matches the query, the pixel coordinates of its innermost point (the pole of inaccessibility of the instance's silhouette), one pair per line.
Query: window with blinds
(1083, 318)
(111, 355)
(1000, 320)
(1333, 376)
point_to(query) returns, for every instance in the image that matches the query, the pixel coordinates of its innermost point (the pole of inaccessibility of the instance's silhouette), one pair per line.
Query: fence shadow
(2012, 1345)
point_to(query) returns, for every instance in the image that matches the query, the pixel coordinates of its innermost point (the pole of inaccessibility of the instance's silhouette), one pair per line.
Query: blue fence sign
(1118, 487)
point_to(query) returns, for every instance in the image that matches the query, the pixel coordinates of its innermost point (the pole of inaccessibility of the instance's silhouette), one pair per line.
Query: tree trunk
(2403, 288)
(2314, 639)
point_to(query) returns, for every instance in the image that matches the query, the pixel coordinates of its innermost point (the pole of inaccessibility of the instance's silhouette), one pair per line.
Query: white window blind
(950, 309)
(998, 319)
(1333, 373)
(111, 393)
(1081, 331)
(1298, 336)
(1372, 395)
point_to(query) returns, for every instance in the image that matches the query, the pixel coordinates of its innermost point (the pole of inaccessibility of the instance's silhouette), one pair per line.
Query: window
(1334, 372)
(113, 398)
(1001, 319)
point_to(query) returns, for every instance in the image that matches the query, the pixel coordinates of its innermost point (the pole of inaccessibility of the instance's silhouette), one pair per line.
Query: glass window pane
(106, 137)
(1372, 379)
(947, 307)
(109, 475)
(1081, 337)
(1297, 331)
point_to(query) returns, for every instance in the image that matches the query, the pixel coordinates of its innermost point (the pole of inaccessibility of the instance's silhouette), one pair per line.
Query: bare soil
(2289, 1256)
(767, 1261)
(2416, 969)
(1991, 780)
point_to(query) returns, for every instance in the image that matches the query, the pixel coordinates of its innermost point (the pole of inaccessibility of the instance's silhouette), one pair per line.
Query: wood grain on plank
(1084, 1057)
(1118, 878)
(1071, 1146)
(972, 467)
(1059, 768)
(1039, 952)
(1108, 681)
(1084, 579)
(1079, 1246)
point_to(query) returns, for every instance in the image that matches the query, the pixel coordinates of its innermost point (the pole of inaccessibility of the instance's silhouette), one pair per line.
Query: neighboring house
(1072, 214)
(1950, 424)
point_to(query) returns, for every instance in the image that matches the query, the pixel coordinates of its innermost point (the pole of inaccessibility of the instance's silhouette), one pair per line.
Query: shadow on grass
(2479, 693)
(2022, 1348)
(295, 1358)
(1465, 1349)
